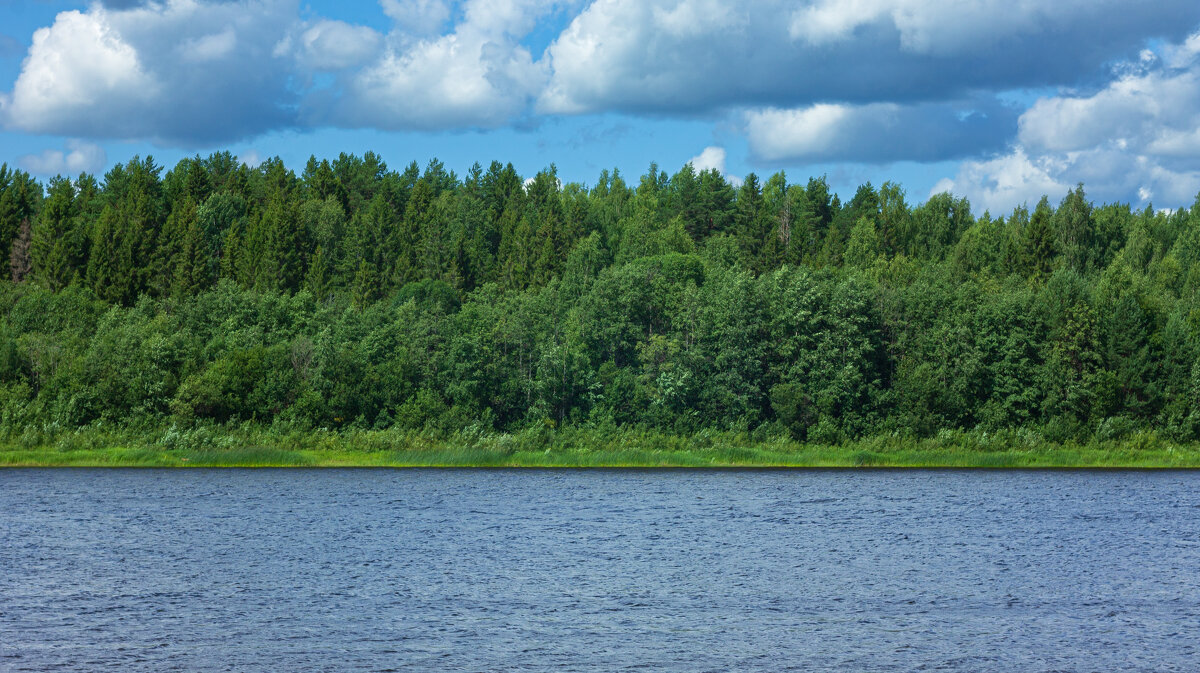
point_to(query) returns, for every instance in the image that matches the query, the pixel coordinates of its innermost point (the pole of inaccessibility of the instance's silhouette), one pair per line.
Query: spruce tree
(54, 247)
(286, 255)
(103, 266)
(1038, 248)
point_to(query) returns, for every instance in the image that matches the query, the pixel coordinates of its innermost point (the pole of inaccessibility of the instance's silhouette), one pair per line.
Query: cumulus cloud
(699, 55)
(943, 26)
(879, 132)
(1135, 139)
(710, 158)
(1182, 55)
(479, 75)
(818, 81)
(1004, 182)
(182, 72)
(336, 45)
(190, 73)
(80, 64)
(1156, 112)
(1108, 175)
(714, 158)
(79, 157)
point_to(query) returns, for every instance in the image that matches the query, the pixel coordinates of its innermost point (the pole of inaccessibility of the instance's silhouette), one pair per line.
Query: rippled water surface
(447, 570)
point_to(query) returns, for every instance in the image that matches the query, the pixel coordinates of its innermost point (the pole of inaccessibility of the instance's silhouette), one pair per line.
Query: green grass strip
(919, 455)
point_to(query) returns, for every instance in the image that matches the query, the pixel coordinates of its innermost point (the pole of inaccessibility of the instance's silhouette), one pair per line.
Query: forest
(354, 297)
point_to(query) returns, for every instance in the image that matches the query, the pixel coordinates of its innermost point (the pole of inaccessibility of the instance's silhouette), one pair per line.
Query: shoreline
(1066, 457)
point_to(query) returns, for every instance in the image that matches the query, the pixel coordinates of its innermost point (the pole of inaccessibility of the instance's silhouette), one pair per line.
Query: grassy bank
(253, 446)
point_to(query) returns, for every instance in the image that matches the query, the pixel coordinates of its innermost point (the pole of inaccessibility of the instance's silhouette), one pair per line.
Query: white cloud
(1153, 111)
(776, 134)
(181, 72)
(827, 22)
(710, 158)
(335, 45)
(479, 75)
(1135, 139)
(879, 132)
(79, 157)
(713, 157)
(1183, 55)
(75, 66)
(1000, 184)
(939, 26)
(1107, 174)
(697, 17)
(704, 55)
(868, 81)
(647, 53)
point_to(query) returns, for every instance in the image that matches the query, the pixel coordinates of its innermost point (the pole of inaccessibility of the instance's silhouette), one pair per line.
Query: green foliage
(358, 299)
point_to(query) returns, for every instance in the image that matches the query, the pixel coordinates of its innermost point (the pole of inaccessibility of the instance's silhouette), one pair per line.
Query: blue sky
(1000, 101)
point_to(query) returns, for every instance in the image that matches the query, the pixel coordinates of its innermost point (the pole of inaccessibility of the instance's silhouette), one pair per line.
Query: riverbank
(260, 447)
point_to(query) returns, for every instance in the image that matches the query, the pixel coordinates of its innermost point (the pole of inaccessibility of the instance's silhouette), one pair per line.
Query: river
(598, 570)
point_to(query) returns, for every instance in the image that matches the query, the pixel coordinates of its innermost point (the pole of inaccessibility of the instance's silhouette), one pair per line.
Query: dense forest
(354, 296)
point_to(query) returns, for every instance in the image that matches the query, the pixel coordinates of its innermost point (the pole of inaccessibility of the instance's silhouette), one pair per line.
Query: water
(448, 570)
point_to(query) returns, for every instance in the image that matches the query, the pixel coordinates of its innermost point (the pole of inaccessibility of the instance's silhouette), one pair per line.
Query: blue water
(456, 570)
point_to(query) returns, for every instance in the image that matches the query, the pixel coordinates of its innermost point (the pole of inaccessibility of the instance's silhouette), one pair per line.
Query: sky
(1000, 101)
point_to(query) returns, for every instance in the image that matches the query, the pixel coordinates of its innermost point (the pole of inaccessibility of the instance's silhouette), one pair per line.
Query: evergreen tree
(104, 267)
(20, 197)
(194, 269)
(319, 280)
(285, 258)
(55, 252)
(1038, 249)
(1074, 230)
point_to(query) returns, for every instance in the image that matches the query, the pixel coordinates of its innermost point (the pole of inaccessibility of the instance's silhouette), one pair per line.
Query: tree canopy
(354, 295)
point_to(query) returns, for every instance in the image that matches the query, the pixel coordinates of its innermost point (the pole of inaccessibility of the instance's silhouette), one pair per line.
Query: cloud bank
(1137, 138)
(879, 132)
(814, 81)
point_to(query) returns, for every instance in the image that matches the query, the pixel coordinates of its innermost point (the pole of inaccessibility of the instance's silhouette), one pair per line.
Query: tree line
(353, 295)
